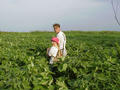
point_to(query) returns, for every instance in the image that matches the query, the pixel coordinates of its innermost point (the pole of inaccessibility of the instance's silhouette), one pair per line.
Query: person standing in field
(62, 39)
(53, 51)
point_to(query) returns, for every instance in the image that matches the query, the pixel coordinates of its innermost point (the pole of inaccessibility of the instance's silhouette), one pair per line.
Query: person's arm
(59, 54)
(51, 60)
(61, 41)
(47, 53)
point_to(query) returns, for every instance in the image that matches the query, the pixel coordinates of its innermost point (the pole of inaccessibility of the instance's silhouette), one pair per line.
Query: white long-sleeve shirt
(62, 39)
(53, 51)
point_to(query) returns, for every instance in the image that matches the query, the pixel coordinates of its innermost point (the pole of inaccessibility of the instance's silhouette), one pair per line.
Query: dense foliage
(93, 62)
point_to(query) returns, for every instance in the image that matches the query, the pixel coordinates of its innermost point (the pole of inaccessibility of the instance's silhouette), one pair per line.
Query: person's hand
(48, 49)
(55, 60)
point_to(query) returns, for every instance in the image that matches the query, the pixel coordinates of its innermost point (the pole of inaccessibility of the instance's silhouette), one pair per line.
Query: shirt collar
(59, 32)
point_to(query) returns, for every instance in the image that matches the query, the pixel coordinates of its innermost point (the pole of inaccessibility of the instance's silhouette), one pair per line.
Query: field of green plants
(93, 61)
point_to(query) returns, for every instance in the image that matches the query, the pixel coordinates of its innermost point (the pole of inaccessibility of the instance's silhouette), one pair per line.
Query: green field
(93, 61)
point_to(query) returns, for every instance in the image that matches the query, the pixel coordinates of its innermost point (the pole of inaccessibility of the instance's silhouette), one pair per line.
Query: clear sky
(29, 15)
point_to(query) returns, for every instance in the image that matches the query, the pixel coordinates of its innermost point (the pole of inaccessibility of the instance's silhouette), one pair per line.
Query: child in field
(54, 51)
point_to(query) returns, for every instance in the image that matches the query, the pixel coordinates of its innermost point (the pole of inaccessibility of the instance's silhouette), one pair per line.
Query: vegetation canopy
(93, 61)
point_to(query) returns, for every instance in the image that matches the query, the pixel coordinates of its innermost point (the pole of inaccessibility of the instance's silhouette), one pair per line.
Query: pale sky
(29, 15)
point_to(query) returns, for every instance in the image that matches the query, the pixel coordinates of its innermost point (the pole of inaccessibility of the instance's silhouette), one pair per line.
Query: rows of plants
(93, 62)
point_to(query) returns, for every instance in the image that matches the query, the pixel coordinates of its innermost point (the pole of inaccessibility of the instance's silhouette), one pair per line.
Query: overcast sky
(27, 15)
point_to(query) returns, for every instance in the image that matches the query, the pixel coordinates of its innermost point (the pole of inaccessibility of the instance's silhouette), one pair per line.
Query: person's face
(56, 29)
(53, 43)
